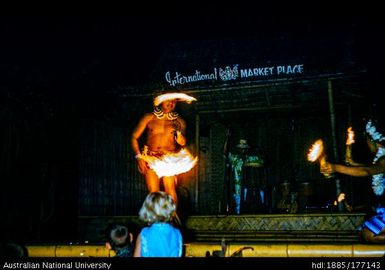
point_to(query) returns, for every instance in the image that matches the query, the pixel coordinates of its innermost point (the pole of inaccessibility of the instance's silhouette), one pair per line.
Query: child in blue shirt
(160, 238)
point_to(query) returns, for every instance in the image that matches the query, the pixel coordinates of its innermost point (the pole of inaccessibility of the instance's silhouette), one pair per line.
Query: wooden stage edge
(233, 250)
(266, 235)
(321, 227)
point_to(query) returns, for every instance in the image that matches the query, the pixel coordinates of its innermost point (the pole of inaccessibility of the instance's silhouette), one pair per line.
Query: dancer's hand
(327, 168)
(142, 166)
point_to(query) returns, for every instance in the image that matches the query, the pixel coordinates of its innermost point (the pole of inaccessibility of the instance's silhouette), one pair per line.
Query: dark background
(67, 81)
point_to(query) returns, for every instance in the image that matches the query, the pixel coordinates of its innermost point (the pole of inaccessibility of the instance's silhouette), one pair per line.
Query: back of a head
(157, 207)
(118, 236)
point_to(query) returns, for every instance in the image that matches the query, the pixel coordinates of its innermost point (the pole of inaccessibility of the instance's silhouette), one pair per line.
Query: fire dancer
(164, 156)
(373, 230)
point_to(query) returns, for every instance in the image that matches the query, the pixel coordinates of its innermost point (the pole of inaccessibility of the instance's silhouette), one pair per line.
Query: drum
(306, 189)
(285, 188)
(305, 192)
(254, 161)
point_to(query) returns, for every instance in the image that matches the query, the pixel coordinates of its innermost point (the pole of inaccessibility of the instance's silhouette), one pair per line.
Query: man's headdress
(243, 144)
(168, 96)
(373, 133)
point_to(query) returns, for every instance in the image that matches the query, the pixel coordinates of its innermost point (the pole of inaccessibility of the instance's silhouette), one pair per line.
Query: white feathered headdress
(178, 96)
(373, 133)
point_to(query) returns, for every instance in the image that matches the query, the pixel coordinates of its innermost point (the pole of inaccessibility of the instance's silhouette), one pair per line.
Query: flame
(341, 197)
(350, 140)
(171, 163)
(179, 96)
(315, 151)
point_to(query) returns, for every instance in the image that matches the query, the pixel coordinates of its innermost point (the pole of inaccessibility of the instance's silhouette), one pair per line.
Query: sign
(233, 73)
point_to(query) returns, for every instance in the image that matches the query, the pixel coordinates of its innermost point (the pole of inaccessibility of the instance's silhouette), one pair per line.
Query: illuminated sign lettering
(232, 73)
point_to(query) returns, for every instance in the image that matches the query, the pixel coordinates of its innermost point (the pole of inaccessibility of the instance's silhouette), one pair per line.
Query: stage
(321, 227)
(275, 235)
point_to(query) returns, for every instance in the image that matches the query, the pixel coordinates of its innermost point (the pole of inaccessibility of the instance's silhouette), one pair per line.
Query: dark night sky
(78, 59)
(125, 49)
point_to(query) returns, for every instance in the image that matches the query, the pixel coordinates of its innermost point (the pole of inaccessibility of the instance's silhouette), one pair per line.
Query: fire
(315, 151)
(350, 140)
(341, 197)
(179, 96)
(171, 163)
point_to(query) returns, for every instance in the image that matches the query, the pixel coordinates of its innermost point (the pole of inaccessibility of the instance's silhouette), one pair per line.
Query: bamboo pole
(334, 138)
(197, 147)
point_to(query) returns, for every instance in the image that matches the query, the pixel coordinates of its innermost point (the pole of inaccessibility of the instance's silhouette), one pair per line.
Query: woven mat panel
(323, 222)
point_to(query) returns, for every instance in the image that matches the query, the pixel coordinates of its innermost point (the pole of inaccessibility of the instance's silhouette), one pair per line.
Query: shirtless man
(165, 138)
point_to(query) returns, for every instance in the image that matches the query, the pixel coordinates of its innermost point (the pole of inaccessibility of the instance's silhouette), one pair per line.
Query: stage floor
(275, 235)
(274, 228)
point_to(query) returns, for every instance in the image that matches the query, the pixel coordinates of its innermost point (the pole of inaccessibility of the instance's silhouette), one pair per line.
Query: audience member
(160, 238)
(120, 240)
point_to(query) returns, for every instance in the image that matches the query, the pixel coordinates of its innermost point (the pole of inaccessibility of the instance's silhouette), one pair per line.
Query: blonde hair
(157, 207)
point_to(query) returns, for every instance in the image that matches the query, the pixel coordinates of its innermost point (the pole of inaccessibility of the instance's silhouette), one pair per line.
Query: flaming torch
(342, 198)
(349, 141)
(317, 152)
